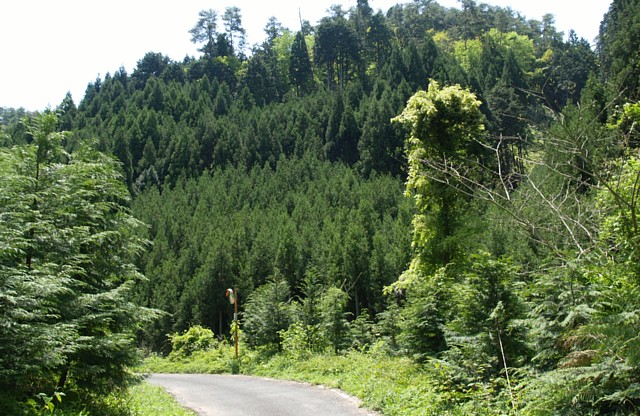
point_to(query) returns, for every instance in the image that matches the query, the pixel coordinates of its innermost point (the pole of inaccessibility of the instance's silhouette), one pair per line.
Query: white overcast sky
(49, 47)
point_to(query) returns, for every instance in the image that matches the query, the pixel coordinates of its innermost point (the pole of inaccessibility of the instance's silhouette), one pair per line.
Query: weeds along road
(228, 395)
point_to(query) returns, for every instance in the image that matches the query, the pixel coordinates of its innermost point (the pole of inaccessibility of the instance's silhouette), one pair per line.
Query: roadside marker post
(232, 294)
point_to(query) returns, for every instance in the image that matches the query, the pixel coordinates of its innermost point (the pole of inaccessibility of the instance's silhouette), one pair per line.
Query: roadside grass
(393, 386)
(149, 400)
(217, 360)
(143, 399)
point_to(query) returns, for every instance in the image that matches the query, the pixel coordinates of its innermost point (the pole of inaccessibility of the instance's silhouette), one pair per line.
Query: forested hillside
(458, 186)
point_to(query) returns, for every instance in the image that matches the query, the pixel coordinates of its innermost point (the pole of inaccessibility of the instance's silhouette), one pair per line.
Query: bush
(194, 339)
(299, 341)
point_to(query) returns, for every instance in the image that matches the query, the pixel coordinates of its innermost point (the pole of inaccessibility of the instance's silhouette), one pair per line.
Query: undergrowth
(142, 399)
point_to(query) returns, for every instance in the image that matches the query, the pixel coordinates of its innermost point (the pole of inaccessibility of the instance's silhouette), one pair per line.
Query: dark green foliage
(388, 327)
(232, 19)
(205, 31)
(334, 325)
(66, 268)
(267, 313)
(378, 40)
(13, 131)
(423, 317)
(487, 313)
(618, 49)
(300, 71)
(152, 65)
(571, 66)
(336, 50)
(311, 292)
(219, 126)
(362, 331)
(234, 228)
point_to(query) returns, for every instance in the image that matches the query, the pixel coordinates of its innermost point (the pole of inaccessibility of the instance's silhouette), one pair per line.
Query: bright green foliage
(67, 249)
(446, 131)
(393, 385)
(469, 52)
(196, 338)
(149, 400)
(628, 124)
(299, 341)
(621, 225)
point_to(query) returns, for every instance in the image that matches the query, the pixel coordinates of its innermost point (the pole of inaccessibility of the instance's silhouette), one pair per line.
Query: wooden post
(232, 294)
(235, 317)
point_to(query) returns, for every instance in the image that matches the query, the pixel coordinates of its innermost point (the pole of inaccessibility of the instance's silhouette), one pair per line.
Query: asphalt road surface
(226, 395)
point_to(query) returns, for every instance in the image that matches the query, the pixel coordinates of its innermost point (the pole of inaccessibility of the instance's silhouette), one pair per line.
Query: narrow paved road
(225, 395)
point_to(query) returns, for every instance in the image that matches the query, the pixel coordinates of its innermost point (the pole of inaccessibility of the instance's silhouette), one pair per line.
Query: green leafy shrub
(299, 341)
(194, 339)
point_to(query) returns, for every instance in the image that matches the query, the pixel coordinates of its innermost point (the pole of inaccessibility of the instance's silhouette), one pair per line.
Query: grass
(149, 400)
(394, 386)
(143, 399)
(214, 361)
(391, 385)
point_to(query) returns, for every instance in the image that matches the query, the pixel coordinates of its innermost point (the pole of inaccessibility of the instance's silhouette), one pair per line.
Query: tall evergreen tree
(66, 268)
(619, 49)
(378, 40)
(232, 19)
(205, 31)
(337, 49)
(300, 70)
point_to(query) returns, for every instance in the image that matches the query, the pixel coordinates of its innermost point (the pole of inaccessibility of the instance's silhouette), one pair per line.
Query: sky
(52, 47)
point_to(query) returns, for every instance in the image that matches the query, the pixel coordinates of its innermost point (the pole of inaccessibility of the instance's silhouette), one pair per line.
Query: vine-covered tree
(446, 133)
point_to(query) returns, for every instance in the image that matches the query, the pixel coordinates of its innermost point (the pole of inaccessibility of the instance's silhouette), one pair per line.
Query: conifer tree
(300, 71)
(205, 31)
(66, 268)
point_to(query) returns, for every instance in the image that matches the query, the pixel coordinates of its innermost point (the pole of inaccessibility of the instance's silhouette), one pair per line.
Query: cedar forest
(456, 186)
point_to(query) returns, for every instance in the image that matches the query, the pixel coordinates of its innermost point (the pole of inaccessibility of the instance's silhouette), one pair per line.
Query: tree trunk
(63, 378)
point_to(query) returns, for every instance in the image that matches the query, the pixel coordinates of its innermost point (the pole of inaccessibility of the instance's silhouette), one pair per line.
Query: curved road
(227, 395)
